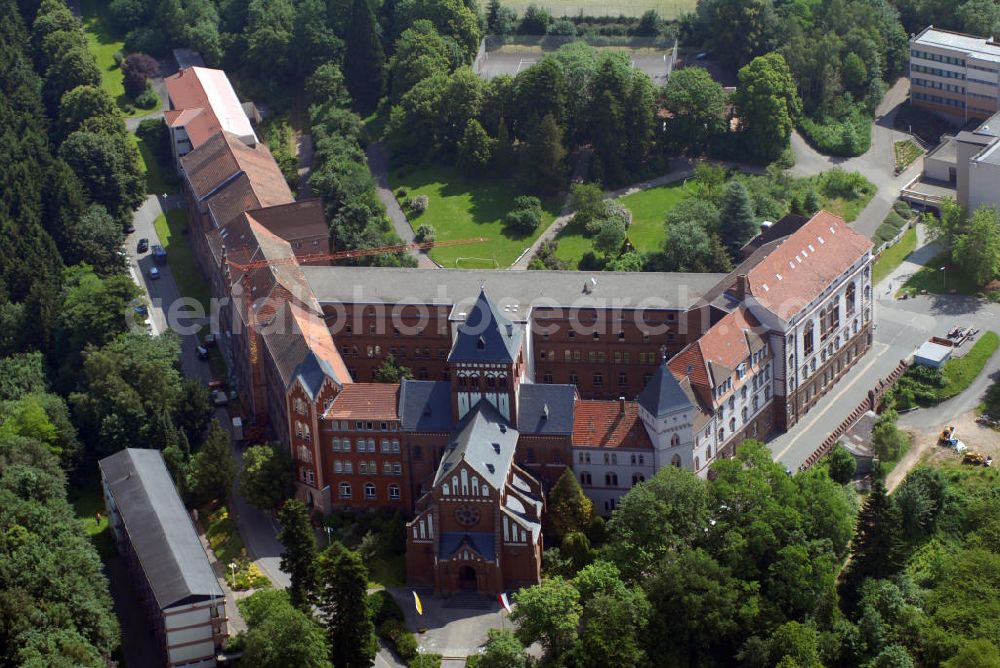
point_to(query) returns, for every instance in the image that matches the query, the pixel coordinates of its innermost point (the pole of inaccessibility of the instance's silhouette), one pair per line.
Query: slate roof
(482, 542)
(366, 401)
(545, 409)
(486, 335)
(663, 394)
(425, 405)
(805, 264)
(485, 441)
(609, 424)
(161, 533)
(312, 371)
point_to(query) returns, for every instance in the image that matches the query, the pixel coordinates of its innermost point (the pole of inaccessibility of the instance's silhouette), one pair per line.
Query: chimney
(742, 287)
(510, 330)
(621, 403)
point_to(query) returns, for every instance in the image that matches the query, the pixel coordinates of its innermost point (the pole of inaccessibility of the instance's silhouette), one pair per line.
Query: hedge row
(847, 137)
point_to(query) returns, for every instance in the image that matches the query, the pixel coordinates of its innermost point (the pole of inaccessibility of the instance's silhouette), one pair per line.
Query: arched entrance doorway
(467, 578)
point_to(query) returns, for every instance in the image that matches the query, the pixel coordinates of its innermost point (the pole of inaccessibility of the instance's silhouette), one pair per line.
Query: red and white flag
(505, 602)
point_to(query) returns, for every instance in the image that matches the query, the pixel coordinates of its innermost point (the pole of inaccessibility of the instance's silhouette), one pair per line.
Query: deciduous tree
(541, 159)
(280, 635)
(266, 477)
(137, 70)
(364, 60)
(569, 509)
(698, 105)
(548, 613)
(768, 105)
(212, 469)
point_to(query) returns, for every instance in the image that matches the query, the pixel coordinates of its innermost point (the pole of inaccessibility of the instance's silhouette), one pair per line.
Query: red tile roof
(609, 424)
(805, 264)
(204, 103)
(366, 401)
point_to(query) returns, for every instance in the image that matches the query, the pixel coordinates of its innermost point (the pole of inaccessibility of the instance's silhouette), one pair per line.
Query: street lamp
(232, 567)
(328, 539)
(944, 278)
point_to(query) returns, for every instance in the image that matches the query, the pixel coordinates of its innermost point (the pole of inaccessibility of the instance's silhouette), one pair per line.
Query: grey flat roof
(171, 555)
(979, 47)
(508, 288)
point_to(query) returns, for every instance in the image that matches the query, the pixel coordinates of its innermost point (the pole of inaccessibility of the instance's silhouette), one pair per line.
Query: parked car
(219, 398)
(154, 273)
(159, 254)
(130, 228)
(216, 384)
(142, 246)
(141, 309)
(202, 353)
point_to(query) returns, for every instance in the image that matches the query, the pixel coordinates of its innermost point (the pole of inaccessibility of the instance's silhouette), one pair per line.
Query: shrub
(842, 465)
(849, 185)
(147, 99)
(402, 641)
(562, 28)
(424, 233)
(138, 69)
(522, 221)
(895, 220)
(902, 208)
(426, 660)
(885, 232)
(383, 607)
(527, 202)
(118, 57)
(419, 204)
(401, 193)
(847, 136)
(618, 212)
(535, 21)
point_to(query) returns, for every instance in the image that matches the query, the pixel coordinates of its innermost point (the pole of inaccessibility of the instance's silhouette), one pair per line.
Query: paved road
(305, 149)
(378, 164)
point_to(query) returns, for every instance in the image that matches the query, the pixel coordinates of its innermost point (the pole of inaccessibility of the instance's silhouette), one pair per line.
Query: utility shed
(166, 561)
(932, 354)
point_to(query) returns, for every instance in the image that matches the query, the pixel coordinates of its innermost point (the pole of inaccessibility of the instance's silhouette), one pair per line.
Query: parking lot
(512, 59)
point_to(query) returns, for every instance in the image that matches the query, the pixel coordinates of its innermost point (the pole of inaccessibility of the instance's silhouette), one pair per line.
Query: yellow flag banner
(416, 602)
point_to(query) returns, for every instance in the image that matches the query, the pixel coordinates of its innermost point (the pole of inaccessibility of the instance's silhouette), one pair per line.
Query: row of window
(937, 57)
(936, 99)
(373, 328)
(366, 425)
(598, 356)
(473, 382)
(370, 491)
(947, 74)
(953, 88)
(596, 336)
(980, 96)
(386, 446)
(610, 479)
(367, 468)
(981, 81)
(611, 458)
(597, 378)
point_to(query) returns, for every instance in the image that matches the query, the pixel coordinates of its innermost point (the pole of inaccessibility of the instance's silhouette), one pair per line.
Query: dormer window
(741, 370)
(481, 343)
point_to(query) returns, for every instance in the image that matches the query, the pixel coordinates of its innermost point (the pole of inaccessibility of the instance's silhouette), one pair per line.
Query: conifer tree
(875, 551)
(569, 509)
(736, 219)
(364, 62)
(299, 556)
(342, 597)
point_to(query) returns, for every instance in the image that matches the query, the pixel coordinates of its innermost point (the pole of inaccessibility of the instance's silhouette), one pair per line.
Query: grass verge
(160, 178)
(886, 466)
(223, 537)
(462, 207)
(103, 43)
(958, 373)
(171, 228)
(894, 255)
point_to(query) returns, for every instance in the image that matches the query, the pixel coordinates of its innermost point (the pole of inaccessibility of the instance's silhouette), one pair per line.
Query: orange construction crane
(249, 267)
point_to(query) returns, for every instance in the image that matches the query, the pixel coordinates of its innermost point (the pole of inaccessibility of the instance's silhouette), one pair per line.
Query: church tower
(486, 360)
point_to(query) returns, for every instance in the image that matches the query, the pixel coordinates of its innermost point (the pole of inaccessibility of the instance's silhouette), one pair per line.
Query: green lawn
(935, 281)
(461, 207)
(667, 9)
(648, 207)
(88, 501)
(160, 178)
(958, 373)
(170, 228)
(894, 255)
(103, 44)
(886, 466)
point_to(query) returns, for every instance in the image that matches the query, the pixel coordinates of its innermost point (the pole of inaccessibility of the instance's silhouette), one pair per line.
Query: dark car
(159, 254)
(154, 274)
(142, 246)
(141, 310)
(130, 228)
(202, 353)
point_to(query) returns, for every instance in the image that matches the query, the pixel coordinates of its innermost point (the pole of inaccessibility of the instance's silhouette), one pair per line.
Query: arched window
(394, 492)
(849, 299)
(369, 490)
(445, 490)
(584, 478)
(676, 461)
(722, 435)
(610, 479)
(708, 451)
(675, 440)
(732, 424)
(345, 490)
(745, 413)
